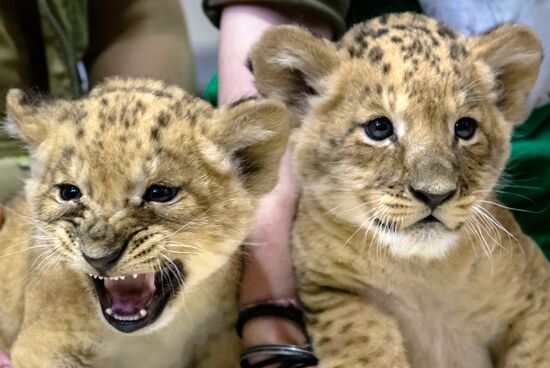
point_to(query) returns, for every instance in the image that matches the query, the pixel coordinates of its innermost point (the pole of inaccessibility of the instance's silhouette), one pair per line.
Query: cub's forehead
(121, 111)
(133, 108)
(412, 56)
(123, 127)
(408, 42)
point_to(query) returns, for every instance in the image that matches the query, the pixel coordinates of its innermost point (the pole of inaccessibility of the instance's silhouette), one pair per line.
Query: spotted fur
(115, 143)
(379, 289)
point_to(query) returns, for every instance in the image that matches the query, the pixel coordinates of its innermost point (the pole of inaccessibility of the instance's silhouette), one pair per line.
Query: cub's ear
(290, 64)
(25, 120)
(514, 54)
(249, 139)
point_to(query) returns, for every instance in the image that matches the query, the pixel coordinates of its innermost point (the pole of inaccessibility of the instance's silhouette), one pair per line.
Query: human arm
(268, 271)
(4, 361)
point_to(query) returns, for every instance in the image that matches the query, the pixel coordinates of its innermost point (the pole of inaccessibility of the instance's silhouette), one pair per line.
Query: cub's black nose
(104, 264)
(431, 199)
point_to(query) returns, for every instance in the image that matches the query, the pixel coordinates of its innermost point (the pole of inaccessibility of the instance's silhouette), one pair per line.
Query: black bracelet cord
(289, 312)
(286, 356)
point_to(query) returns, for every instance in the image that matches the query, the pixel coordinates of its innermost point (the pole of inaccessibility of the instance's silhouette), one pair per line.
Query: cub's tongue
(130, 295)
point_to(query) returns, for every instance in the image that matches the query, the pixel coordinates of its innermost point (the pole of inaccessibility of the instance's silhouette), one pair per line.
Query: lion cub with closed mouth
(403, 255)
(126, 250)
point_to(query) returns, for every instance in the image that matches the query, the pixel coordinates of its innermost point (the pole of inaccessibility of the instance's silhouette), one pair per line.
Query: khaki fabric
(332, 11)
(65, 33)
(132, 38)
(62, 27)
(14, 66)
(12, 174)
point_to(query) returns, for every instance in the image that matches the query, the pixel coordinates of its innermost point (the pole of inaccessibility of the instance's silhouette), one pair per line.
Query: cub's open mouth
(132, 302)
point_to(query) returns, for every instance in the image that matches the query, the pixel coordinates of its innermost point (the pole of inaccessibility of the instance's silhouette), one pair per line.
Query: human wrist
(269, 327)
(272, 322)
(272, 330)
(4, 360)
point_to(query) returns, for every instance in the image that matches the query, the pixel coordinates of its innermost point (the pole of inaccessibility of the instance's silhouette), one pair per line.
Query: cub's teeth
(134, 275)
(142, 313)
(100, 277)
(122, 277)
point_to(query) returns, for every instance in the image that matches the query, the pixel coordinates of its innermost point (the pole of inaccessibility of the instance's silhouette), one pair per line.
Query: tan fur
(379, 290)
(127, 135)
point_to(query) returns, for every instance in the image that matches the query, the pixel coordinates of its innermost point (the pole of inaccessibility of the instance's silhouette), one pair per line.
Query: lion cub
(404, 257)
(125, 252)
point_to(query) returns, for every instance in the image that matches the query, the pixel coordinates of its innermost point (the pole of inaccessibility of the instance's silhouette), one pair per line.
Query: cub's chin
(427, 239)
(132, 302)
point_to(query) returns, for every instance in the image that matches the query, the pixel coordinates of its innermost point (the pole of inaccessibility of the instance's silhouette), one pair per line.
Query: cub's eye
(379, 128)
(159, 193)
(68, 192)
(465, 128)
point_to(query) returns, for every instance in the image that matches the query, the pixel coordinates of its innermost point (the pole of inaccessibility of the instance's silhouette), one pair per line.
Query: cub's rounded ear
(248, 139)
(514, 54)
(24, 120)
(290, 64)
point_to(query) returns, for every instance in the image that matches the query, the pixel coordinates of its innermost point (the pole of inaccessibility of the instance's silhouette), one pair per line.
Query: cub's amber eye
(159, 193)
(465, 128)
(379, 128)
(69, 192)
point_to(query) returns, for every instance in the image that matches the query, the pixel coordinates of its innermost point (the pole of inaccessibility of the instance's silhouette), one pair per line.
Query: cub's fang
(142, 313)
(109, 311)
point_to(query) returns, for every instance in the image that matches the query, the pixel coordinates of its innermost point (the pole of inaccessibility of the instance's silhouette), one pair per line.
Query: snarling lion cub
(403, 254)
(125, 252)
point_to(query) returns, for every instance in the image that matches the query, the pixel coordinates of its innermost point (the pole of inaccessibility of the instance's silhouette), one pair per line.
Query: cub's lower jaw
(132, 302)
(427, 238)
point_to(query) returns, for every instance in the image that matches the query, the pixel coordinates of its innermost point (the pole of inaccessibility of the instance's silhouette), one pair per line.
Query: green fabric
(210, 93)
(526, 182)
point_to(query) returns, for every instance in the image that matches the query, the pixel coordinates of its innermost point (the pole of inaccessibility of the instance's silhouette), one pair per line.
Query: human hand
(4, 360)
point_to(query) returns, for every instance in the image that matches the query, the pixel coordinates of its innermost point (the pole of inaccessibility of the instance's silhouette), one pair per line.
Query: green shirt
(525, 185)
